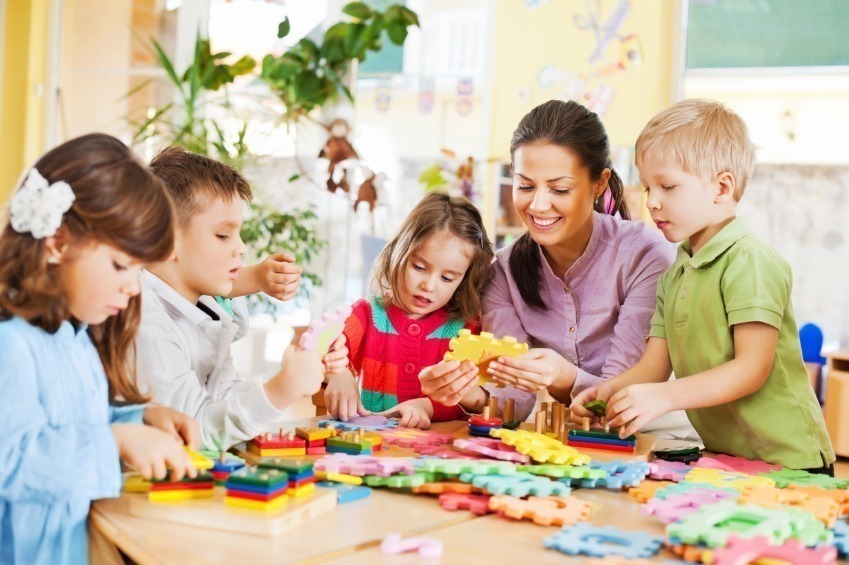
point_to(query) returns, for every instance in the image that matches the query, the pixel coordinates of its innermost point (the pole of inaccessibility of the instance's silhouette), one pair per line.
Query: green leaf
(409, 17)
(284, 28)
(294, 177)
(358, 10)
(397, 33)
(354, 41)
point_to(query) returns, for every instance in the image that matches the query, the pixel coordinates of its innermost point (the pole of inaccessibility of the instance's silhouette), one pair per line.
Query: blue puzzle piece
(694, 488)
(346, 493)
(620, 474)
(482, 429)
(841, 538)
(519, 485)
(597, 541)
(352, 427)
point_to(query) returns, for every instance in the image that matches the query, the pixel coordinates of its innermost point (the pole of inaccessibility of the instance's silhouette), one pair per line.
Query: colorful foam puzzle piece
(481, 349)
(711, 525)
(345, 492)
(397, 481)
(475, 503)
(725, 479)
(673, 508)
(493, 448)
(550, 511)
(323, 332)
(564, 473)
(598, 541)
(454, 467)
(734, 464)
(825, 509)
(685, 487)
(540, 448)
(841, 497)
(785, 477)
(618, 474)
(415, 439)
(360, 465)
(841, 538)
(519, 485)
(647, 489)
(446, 452)
(741, 551)
(371, 423)
(427, 548)
(673, 471)
(444, 487)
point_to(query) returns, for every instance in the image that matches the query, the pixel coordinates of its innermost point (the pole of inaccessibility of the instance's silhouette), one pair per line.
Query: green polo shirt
(737, 278)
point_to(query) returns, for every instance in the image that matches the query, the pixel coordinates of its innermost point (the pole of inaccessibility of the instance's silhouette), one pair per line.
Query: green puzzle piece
(396, 481)
(563, 471)
(597, 407)
(785, 477)
(456, 466)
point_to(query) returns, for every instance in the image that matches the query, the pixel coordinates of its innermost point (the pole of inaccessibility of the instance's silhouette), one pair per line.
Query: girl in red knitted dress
(427, 285)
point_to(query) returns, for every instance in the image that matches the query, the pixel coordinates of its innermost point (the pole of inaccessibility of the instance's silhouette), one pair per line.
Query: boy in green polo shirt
(724, 323)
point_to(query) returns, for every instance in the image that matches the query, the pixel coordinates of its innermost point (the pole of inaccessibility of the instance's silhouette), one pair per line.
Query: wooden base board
(214, 514)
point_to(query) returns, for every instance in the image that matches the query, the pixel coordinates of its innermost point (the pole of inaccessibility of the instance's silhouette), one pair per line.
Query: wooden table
(353, 532)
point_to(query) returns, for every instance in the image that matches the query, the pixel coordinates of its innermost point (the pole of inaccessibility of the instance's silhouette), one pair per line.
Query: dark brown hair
(570, 125)
(119, 202)
(194, 181)
(437, 212)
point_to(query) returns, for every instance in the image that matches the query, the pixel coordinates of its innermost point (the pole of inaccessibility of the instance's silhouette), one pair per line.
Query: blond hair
(704, 137)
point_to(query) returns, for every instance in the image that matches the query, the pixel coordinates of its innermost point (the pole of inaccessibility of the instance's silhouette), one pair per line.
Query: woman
(579, 286)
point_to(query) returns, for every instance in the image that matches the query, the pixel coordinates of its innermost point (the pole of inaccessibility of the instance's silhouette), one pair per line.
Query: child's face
(209, 250)
(553, 192)
(98, 281)
(433, 273)
(682, 204)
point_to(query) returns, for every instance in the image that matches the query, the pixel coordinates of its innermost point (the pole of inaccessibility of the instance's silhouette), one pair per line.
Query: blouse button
(572, 329)
(409, 368)
(414, 329)
(566, 289)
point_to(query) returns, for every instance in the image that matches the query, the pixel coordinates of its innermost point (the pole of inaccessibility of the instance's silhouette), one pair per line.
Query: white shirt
(184, 362)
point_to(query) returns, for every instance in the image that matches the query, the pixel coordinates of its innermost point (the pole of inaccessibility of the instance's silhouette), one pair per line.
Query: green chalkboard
(767, 33)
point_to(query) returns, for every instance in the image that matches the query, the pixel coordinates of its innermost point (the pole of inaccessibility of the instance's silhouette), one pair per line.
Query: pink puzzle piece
(494, 448)
(732, 464)
(413, 438)
(673, 508)
(475, 503)
(740, 551)
(362, 465)
(394, 544)
(446, 452)
(323, 332)
(674, 471)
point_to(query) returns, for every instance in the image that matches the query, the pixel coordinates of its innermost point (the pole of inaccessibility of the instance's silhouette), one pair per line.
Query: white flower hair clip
(37, 207)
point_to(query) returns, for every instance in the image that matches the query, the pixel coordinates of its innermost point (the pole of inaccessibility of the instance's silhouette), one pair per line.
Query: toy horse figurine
(337, 149)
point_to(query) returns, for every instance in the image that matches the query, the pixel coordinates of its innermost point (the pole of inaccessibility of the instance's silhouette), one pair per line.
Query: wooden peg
(555, 420)
(605, 424)
(222, 457)
(268, 436)
(486, 412)
(493, 407)
(509, 408)
(586, 424)
(539, 423)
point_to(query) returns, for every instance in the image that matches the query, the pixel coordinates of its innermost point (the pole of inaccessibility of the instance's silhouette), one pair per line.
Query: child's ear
(57, 246)
(725, 185)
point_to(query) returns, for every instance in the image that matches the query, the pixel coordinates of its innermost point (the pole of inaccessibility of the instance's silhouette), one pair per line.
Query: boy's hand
(413, 413)
(183, 428)
(448, 382)
(278, 276)
(342, 397)
(336, 358)
(600, 392)
(301, 374)
(634, 406)
(152, 452)
(535, 370)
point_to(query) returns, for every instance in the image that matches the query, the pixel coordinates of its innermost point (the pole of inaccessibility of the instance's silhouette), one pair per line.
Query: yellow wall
(24, 76)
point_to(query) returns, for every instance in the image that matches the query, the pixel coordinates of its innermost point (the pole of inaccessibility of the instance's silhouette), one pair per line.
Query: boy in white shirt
(183, 343)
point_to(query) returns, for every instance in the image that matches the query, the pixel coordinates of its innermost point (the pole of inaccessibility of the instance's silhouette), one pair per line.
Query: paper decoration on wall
(426, 95)
(572, 86)
(605, 32)
(383, 98)
(536, 3)
(465, 89)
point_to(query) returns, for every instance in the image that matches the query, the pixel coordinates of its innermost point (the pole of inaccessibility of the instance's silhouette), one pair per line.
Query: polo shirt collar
(727, 236)
(176, 302)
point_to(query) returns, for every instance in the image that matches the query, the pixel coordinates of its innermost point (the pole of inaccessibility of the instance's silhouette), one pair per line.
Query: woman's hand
(448, 382)
(536, 370)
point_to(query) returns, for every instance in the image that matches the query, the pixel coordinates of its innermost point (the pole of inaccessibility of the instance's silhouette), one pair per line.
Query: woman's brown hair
(119, 202)
(436, 213)
(570, 125)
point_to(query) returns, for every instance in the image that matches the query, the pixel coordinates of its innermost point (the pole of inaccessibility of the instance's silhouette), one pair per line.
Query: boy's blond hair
(702, 136)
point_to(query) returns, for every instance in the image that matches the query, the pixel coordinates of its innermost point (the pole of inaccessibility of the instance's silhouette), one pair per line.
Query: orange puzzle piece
(646, 490)
(447, 487)
(824, 509)
(839, 496)
(481, 349)
(543, 511)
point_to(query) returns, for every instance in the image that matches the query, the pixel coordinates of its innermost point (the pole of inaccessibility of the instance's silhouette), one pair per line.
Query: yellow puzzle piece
(540, 448)
(724, 479)
(199, 461)
(481, 349)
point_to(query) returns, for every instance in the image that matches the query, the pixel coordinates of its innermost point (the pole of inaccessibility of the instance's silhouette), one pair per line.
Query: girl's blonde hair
(437, 212)
(119, 202)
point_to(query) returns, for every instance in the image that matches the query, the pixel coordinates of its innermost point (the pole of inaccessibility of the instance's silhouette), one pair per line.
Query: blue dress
(57, 451)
